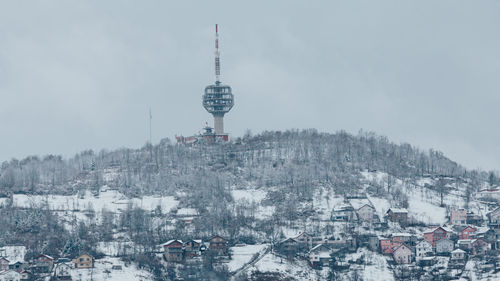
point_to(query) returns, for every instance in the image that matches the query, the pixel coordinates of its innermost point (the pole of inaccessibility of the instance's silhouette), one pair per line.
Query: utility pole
(150, 121)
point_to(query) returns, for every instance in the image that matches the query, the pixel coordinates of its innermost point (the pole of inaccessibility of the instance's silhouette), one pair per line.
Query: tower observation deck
(218, 98)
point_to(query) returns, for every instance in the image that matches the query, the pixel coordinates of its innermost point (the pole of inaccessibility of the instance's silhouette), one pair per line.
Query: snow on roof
(458, 251)
(482, 229)
(424, 241)
(170, 242)
(286, 239)
(400, 246)
(358, 203)
(401, 234)
(436, 228)
(187, 212)
(320, 248)
(47, 256)
(398, 210)
(342, 207)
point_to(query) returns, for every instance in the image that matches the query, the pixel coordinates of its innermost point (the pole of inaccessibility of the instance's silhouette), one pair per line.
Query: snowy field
(13, 253)
(242, 255)
(103, 271)
(110, 200)
(376, 267)
(253, 196)
(298, 269)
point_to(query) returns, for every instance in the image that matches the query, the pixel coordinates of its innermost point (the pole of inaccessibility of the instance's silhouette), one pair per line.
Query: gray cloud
(82, 74)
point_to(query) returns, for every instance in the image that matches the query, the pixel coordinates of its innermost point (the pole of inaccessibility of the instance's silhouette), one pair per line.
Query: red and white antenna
(217, 54)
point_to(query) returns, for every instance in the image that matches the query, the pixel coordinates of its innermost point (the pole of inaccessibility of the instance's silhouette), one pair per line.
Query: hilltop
(254, 191)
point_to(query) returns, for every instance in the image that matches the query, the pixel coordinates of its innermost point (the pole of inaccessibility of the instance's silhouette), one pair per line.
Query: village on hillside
(400, 248)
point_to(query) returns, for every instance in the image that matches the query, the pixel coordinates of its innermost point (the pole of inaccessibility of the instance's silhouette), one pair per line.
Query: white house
(320, 255)
(458, 254)
(364, 209)
(403, 254)
(63, 271)
(444, 245)
(422, 249)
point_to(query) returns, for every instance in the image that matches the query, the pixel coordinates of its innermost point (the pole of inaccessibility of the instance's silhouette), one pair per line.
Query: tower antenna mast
(217, 55)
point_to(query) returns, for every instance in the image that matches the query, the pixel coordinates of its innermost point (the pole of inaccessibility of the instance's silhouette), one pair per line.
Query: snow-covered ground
(13, 253)
(256, 195)
(116, 249)
(103, 271)
(426, 212)
(381, 205)
(242, 255)
(298, 269)
(253, 196)
(110, 200)
(375, 268)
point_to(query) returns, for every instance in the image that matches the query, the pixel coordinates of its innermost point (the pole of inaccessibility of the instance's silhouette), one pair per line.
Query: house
(465, 244)
(365, 212)
(494, 218)
(343, 213)
(435, 234)
(320, 255)
(304, 241)
(398, 215)
(329, 241)
(218, 244)
(63, 271)
(458, 216)
(44, 264)
(173, 250)
(10, 275)
(458, 255)
(401, 238)
(4, 264)
(288, 247)
(192, 248)
(187, 215)
(387, 246)
(84, 261)
(479, 247)
(427, 261)
(489, 235)
(444, 245)
(403, 254)
(17, 266)
(423, 249)
(468, 232)
(474, 219)
(25, 275)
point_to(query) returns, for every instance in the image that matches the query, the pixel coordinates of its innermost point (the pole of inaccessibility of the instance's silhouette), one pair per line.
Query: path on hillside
(252, 263)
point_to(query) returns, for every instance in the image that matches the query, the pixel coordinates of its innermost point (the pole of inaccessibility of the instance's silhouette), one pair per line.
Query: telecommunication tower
(218, 98)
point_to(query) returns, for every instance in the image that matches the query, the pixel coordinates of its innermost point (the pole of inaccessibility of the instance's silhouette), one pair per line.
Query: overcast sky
(76, 75)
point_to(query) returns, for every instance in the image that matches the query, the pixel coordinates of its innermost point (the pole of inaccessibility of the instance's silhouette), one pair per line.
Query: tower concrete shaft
(219, 124)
